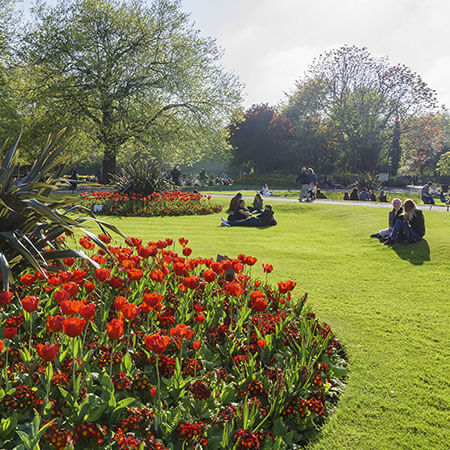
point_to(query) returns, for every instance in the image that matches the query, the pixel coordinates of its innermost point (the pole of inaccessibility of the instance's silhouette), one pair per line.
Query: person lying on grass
(409, 227)
(397, 211)
(261, 220)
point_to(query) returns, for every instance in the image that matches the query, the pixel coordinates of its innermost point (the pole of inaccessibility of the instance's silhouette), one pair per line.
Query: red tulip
(89, 286)
(183, 242)
(233, 289)
(262, 343)
(196, 345)
(60, 295)
(5, 298)
(28, 279)
(10, 332)
(209, 275)
(153, 300)
(73, 326)
(187, 251)
(267, 268)
(191, 282)
(102, 274)
(87, 311)
(30, 304)
(47, 352)
(119, 302)
(135, 274)
(130, 311)
(181, 332)
(157, 343)
(179, 268)
(114, 329)
(153, 392)
(2, 345)
(54, 323)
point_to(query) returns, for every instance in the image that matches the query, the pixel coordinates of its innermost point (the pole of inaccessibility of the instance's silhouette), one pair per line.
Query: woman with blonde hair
(409, 227)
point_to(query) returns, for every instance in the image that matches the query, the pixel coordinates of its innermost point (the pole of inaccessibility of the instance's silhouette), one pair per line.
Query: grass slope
(389, 306)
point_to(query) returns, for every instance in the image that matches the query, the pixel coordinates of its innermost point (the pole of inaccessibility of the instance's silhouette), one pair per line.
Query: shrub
(172, 203)
(157, 350)
(31, 221)
(142, 178)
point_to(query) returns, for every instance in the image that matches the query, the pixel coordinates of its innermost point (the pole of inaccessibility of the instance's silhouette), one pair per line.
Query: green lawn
(389, 306)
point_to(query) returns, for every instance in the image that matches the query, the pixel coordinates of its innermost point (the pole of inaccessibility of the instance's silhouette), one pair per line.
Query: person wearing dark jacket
(264, 219)
(240, 213)
(303, 179)
(409, 227)
(354, 194)
(234, 203)
(397, 211)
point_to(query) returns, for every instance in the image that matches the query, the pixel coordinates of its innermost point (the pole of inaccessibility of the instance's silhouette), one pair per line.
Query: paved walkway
(268, 199)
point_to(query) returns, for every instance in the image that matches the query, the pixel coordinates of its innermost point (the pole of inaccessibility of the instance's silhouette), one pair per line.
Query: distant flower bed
(173, 203)
(156, 350)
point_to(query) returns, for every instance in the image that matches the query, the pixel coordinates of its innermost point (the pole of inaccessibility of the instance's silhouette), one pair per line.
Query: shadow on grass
(416, 253)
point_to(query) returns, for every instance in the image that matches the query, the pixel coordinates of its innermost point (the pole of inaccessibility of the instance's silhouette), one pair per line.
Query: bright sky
(270, 43)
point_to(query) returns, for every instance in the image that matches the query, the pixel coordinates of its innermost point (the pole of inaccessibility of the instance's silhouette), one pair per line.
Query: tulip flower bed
(153, 349)
(173, 203)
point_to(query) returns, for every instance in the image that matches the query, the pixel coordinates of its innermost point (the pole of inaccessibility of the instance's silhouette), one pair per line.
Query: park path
(275, 198)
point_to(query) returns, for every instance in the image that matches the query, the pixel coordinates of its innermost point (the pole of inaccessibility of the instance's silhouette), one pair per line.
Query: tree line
(352, 113)
(130, 79)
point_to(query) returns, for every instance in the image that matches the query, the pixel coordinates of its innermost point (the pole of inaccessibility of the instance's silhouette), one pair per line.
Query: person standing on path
(303, 179)
(312, 184)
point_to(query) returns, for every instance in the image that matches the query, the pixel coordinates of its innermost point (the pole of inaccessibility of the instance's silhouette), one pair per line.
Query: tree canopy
(130, 76)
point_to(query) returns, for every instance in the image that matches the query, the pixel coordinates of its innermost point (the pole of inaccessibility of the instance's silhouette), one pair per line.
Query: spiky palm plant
(142, 178)
(32, 218)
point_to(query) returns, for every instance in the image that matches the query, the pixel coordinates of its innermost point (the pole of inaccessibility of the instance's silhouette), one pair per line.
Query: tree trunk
(109, 165)
(396, 151)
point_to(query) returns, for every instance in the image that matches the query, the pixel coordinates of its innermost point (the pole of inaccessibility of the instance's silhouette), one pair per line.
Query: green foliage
(444, 164)
(142, 177)
(138, 75)
(368, 180)
(31, 220)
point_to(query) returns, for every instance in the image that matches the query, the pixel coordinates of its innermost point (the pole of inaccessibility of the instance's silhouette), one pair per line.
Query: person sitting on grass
(354, 194)
(320, 194)
(364, 196)
(346, 196)
(397, 211)
(427, 196)
(444, 199)
(372, 196)
(409, 227)
(234, 203)
(383, 197)
(257, 204)
(264, 219)
(240, 213)
(265, 190)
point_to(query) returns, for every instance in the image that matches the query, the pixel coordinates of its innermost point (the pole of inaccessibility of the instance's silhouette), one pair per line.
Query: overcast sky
(270, 43)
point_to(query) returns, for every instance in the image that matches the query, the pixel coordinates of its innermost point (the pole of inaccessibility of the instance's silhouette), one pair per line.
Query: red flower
(71, 288)
(47, 352)
(73, 326)
(10, 332)
(5, 298)
(87, 312)
(181, 332)
(200, 318)
(2, 345)
(209, 275)
(267, 268)
(153, 392)
(102, 274)
(237, 266)
(233, 289)
(262, 343)
(130, 311)
(196, 345)
(54, 281)
(69, 261)
(116, 283)
(89, 286)
(217, 267)
(153, 300)
(104, 238)
(191, 282)
(258, 304)
(286, 286)
(156, 275)
(60, 295)
(30, 304)
(144, 252)
(28, 279)
(183, 242)
(157, 343)
(187, 251)
(179, 268)
(250, 260)
(114, 329)
(134, 274)
(54, 323)
(119, 302)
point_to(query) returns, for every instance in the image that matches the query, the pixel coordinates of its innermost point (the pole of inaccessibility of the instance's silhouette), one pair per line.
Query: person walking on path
(303, 179)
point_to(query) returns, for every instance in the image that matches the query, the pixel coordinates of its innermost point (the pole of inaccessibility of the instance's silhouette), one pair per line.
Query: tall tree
(260, 138)
(361, 96)
(129, 73)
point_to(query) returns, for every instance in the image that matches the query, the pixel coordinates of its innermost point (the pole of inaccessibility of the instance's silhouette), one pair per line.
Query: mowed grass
(388, 306)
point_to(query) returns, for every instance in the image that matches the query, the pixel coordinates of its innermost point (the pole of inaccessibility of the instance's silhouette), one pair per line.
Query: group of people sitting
(366, 195)
(406, 224)
(427, 195)
(256, 215)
